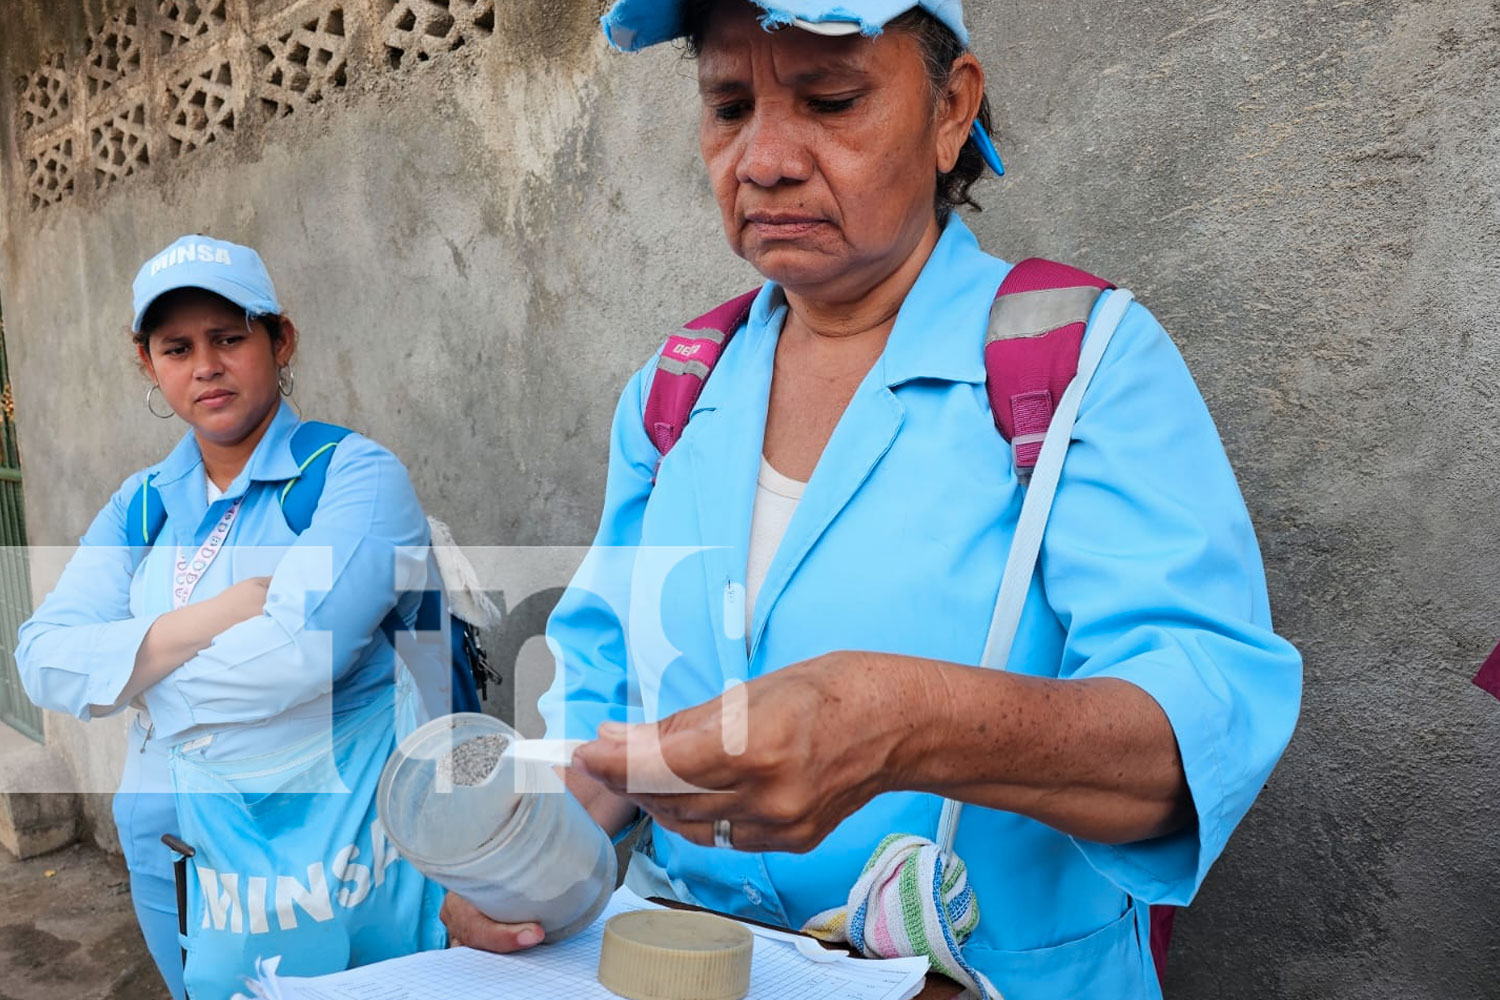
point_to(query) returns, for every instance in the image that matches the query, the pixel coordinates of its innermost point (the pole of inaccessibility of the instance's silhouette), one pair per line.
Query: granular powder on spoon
(472, 761)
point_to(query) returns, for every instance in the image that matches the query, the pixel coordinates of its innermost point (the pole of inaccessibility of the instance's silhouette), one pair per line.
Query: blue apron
(290, 864)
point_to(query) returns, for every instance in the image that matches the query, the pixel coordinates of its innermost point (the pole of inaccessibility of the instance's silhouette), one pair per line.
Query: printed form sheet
(569, 971)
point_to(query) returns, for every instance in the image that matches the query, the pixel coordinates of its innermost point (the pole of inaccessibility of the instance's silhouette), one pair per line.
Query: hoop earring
(151, 392)
(286, 380)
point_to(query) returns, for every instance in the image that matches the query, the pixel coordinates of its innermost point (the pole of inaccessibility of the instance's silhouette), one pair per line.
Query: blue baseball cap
(226, 269)
(632, 25)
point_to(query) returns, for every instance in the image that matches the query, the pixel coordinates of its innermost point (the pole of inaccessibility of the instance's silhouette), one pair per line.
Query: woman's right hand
(467, 927)
(178, 636)
(239, 603)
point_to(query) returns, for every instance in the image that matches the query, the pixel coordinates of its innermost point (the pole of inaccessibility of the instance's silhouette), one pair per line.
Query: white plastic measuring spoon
(807, 947)
(550, 753)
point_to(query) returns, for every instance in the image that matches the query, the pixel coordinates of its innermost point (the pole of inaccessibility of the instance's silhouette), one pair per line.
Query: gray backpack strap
(1035, 511)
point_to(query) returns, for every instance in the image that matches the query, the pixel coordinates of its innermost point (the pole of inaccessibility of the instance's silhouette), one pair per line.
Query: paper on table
(569, 971)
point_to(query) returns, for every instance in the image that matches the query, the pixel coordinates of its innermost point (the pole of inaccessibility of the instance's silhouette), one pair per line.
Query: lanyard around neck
(190, 571)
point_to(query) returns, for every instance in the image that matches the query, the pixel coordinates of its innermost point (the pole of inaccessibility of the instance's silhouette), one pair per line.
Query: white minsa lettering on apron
(345, 870)
(314, 898)
(225, 907)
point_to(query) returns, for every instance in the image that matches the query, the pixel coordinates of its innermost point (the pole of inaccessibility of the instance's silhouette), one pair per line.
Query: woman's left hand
(784, 758)
(469, 928)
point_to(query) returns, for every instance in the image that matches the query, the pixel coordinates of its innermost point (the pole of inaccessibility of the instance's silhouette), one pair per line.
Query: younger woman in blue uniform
(231, 632)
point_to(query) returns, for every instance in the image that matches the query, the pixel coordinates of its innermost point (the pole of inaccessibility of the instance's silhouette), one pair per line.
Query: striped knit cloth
(910, 900)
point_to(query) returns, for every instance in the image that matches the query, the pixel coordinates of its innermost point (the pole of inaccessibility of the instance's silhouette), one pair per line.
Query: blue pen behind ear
(987, 149)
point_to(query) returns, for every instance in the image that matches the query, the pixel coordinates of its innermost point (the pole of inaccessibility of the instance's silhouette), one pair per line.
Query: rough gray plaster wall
(480, 248)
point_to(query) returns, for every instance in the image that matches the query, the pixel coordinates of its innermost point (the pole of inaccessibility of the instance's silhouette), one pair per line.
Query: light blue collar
(271, 461)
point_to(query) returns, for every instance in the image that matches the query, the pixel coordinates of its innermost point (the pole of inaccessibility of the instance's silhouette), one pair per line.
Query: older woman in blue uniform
(847, 507)
(232, 633)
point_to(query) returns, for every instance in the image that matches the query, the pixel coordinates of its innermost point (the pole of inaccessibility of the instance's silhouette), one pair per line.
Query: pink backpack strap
(684, 366)
(1488, 678)
(1162, 919)
(1031, 351)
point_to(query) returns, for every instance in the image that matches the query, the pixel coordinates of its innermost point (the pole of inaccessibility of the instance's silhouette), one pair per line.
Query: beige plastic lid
(675, 955)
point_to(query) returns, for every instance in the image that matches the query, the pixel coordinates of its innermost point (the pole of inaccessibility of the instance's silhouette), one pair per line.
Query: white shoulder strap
(467, 599)
(1036, 509)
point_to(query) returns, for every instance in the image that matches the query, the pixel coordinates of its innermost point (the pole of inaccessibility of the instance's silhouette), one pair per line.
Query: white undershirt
(776, 499)
(214, 493)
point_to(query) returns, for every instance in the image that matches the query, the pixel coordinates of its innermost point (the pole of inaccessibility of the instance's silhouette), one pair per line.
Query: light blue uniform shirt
(1149, 573)
(263, 683)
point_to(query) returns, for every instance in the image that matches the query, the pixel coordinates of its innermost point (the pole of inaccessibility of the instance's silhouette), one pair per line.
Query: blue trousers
(155, 902)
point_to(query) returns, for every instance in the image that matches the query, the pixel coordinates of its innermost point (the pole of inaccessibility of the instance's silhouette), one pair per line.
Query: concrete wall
(480, 246)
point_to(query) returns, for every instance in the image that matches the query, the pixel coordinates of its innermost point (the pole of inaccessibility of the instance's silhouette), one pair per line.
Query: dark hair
(940, 49)
(156, 312)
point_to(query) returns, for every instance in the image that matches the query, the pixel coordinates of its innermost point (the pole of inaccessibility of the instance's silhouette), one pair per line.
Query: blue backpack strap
(145, 516)
(312, 449)
(467, 665)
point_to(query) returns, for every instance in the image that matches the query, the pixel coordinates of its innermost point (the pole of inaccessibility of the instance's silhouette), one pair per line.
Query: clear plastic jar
(469, 818)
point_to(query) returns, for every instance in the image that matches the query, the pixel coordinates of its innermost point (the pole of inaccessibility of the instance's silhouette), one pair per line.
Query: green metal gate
(16, 710)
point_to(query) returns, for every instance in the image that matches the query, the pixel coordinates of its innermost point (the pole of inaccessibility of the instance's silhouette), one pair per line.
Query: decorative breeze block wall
(45, 110)
(183, 21)
(46, 94)
(114, 54)
(161, 79)
(118, 144)
(49, 174)
(419, 30)
(201, 106)
(301, 65)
